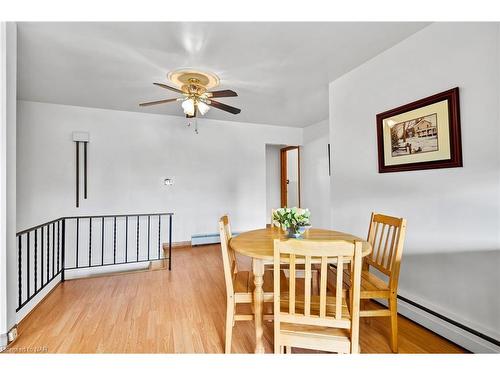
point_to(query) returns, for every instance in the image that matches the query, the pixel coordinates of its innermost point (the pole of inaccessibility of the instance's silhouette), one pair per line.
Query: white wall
(221, 170)
(8, 287)
(452, 252)
(315, 181)
(273, 179)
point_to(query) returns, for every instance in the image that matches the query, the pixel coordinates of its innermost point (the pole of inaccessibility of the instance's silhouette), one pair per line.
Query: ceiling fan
(196, 97)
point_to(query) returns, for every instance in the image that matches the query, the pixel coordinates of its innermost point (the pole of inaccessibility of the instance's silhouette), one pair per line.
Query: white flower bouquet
(294, 220)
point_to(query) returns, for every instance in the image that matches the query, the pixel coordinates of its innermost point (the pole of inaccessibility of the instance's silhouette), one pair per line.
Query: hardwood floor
(181, 311)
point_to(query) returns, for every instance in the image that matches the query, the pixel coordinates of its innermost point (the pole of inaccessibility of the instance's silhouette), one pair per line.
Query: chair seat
(311, 336)
(371, 285)
(315, 337)
(243, 282)
(318, 331)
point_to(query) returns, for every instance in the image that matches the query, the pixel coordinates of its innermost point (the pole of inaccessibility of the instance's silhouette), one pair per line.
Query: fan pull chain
(194, 122)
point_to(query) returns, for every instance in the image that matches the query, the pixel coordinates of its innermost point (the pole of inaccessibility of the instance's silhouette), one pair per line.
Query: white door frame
(8, 94)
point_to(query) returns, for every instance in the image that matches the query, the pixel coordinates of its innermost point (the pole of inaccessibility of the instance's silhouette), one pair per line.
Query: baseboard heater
(207, 239)
(469, 338)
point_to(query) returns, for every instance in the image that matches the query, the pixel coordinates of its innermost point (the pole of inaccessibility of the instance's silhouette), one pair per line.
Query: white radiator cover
(206, 239)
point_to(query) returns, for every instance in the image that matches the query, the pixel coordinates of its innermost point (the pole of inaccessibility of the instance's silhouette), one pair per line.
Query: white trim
(8, 58)
(3, 183)
(451, 332)
(3, 341)
(447, 330)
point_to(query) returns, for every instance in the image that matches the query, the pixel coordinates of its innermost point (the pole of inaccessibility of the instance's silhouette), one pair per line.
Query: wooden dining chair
(239, 284)
(386, 235)
(321, 322)
(300, 268)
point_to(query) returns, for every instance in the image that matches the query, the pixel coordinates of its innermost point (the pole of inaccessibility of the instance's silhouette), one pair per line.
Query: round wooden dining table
(259, 245)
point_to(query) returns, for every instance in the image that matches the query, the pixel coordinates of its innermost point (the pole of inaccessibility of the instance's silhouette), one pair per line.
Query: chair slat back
(309, 310)
(386, 235)
(228, 254)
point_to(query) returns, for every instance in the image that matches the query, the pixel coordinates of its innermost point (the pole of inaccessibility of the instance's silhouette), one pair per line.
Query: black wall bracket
(81, 138)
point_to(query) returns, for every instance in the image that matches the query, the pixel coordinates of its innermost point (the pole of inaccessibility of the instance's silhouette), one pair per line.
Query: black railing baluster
(149, 234)
(48, 253)
(170, 243)
(137, 238)
(58, 246)
(28, 265)
(43, 257)
(126, 239)
(77, 238)
(159, 236)
(19, 271)
(159, 229)
(36, 261)
(102, 242)
(53, 248)
(63, 249)
(90, 241)
(114, 241)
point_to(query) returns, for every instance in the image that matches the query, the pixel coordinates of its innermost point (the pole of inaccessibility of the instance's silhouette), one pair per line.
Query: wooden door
(285, 171)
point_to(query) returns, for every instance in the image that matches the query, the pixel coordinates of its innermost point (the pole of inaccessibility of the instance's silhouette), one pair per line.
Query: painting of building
(417, 135)
(425, 128)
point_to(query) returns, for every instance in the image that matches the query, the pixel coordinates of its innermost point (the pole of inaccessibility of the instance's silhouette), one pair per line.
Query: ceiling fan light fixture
(196, 99)
(188, 107)
(202, 107)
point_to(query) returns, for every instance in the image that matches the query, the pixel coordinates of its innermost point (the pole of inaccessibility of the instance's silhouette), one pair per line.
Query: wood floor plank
(181, 311)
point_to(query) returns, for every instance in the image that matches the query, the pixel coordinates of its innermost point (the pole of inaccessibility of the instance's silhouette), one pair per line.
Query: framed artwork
(421, 135)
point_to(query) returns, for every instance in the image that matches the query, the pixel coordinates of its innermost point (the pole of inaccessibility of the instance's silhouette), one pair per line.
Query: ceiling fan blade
(168, 87)
(223, 107)
(157, 102)
(221, 94)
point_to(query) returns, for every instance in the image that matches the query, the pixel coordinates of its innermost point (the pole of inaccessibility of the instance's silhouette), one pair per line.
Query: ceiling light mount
(187, 77)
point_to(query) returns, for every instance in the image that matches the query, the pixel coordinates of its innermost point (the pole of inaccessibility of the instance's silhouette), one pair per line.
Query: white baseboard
(82, 273)
(465, 339)
(3, 341)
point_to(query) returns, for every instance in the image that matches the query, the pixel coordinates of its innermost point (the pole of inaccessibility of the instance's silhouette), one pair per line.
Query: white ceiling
(280, 71)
